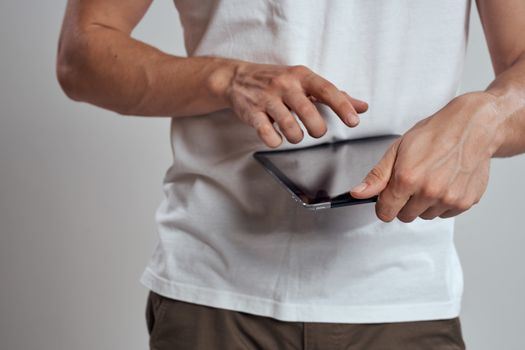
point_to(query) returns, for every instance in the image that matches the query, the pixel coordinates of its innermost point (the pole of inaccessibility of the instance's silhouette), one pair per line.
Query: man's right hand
(264, 94)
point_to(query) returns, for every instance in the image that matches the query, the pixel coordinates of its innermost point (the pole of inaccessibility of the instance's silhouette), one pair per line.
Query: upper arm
(504, 26)
(121, 15)
(83, 21)
(84, 15)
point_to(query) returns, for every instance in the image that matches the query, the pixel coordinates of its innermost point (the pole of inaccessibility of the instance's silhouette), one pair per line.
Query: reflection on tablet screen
(323, 172)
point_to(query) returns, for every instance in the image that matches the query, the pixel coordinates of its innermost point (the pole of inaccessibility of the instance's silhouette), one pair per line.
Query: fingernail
(352, 119)
(359, 188)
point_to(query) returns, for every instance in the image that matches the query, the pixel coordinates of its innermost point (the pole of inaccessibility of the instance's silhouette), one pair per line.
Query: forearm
(507, 94)
(100, 63)
(503, 26)
(108, 68)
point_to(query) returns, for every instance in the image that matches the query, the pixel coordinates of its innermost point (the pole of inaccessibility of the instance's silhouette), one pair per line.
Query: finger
(265, 130)
(456, 210)
(326, 92)
(307, 113)
(451, 213)
(404, 183)
(415, 206)
(287, 123)
(433, 212)
(377, 179)
(360, 106)
(391, 200)
(311, 98)
(449, 207)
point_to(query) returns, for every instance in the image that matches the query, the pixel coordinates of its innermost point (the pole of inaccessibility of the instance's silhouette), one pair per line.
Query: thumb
(378, 177)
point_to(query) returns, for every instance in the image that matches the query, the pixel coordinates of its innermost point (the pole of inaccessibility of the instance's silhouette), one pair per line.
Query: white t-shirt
(231, 237)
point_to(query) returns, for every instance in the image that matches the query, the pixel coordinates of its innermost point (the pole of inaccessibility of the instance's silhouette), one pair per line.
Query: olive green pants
(178, 325)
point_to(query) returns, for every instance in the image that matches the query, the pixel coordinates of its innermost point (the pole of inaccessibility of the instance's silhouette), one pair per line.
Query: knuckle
(288, 123)
(300, 70)
(384, 213)
(268, 104)
(325, 88)
(406, 218)
(427, 216)
(279, 81)
(376, 173)
(450, 199)
(265, 130)
(406, 178)
(384, 217)
(273, 106)
(344, 105)
(305, 110)
(431, 191)
(463, 205)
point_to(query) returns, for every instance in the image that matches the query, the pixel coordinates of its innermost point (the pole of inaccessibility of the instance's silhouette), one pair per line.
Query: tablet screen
(323, 172)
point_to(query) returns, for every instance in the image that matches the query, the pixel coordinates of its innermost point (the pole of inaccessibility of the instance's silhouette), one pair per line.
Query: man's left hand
(440, 167)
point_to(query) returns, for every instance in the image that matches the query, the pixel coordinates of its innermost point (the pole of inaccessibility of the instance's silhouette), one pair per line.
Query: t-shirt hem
(294, 312)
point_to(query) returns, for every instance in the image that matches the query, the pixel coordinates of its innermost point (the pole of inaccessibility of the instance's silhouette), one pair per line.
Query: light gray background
(79, 187)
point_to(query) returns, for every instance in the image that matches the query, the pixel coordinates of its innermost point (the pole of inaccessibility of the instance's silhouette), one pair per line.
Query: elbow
(65, 76)
(69, 71)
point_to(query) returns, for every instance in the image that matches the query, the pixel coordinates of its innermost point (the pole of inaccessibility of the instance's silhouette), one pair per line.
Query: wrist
(220, 79)
(507, 101)
(486, 115)
(509, 95)
(495, 108)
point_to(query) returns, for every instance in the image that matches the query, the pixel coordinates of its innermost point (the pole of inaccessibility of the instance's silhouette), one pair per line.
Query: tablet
(321, 176)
